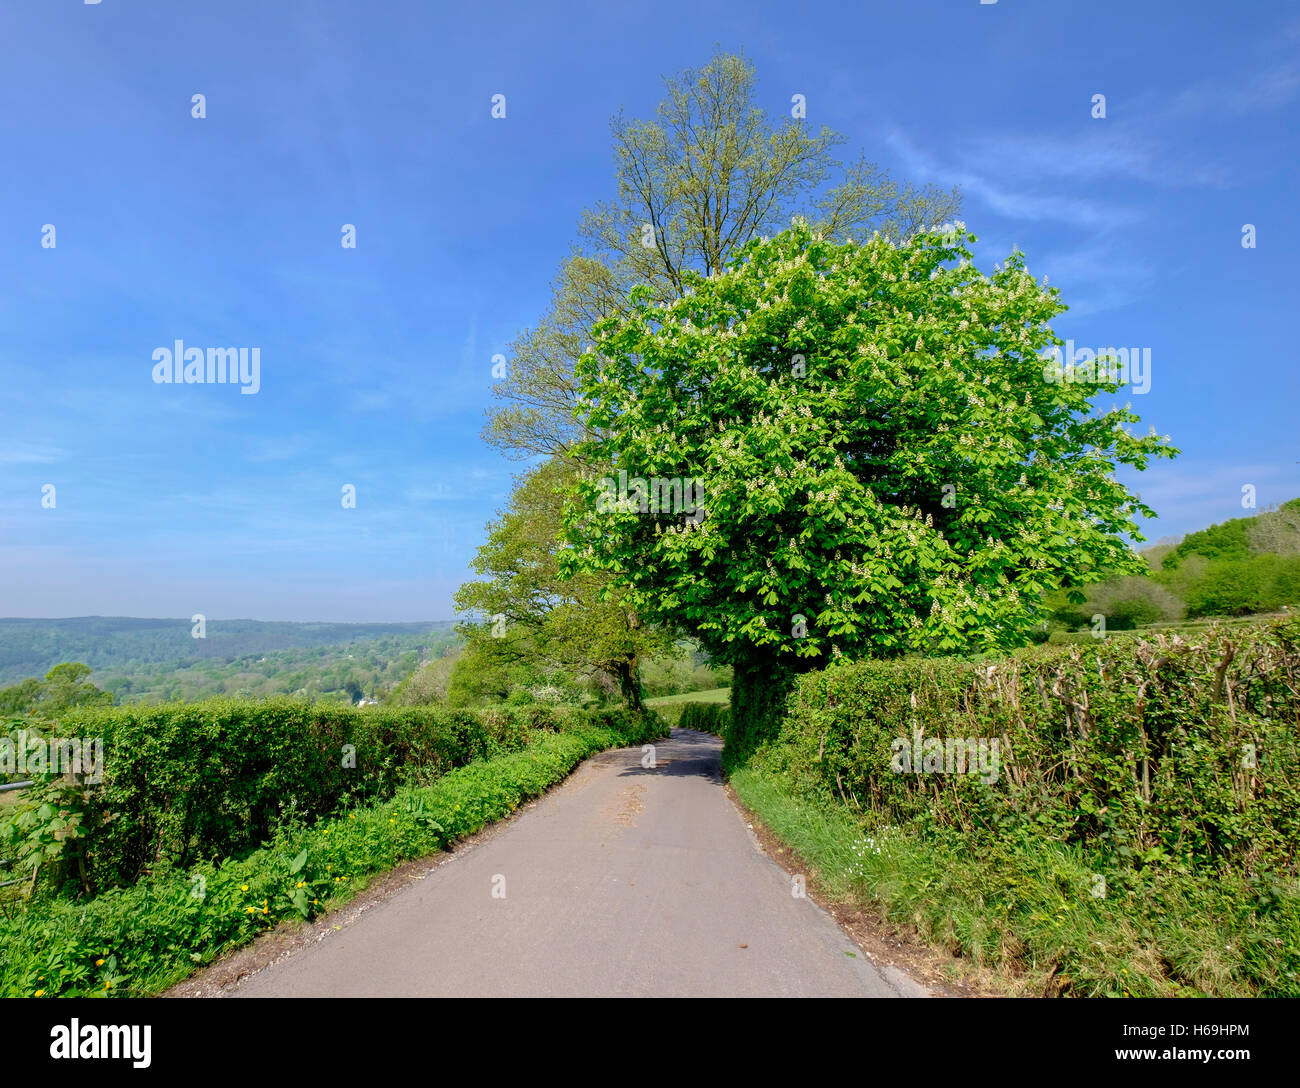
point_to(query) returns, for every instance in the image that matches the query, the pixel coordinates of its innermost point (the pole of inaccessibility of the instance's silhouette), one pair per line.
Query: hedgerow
(1151, 784)
(138, 940)
(705, 717)
(184, 783)
(1150, 749)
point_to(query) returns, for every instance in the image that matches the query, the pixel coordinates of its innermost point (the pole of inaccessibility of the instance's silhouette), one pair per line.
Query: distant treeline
(159, 660)
(1245, 566)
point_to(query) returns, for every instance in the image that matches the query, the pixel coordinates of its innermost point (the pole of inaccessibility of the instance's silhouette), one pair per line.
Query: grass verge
(1023, 919)
(670, 706)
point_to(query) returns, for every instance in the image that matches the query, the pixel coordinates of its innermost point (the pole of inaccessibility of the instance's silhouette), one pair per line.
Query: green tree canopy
(707, 174)
(65, 686)
(531, 615)
(886, 466)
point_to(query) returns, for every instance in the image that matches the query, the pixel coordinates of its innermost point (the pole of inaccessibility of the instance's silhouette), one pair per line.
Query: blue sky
(376, 362)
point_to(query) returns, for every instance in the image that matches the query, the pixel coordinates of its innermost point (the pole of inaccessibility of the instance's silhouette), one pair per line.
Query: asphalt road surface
(625, 880)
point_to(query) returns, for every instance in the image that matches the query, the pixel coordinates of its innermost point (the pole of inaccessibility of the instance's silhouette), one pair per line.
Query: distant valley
(154, 660)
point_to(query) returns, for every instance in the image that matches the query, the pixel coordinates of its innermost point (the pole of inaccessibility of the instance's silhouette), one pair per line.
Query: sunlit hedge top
(881, 452)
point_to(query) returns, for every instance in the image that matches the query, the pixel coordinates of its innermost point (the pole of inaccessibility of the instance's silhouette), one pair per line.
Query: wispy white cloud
(1025, 181)
(1005, 199)
(1051, 180)
(22, 453)
(1269, 89)
(1098, 151)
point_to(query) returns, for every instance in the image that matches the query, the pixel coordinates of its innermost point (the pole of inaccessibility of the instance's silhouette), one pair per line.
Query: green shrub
(188, 783)
(1133, 747)
(1168, 767)
(705, 717)
(136, 941)
(1029, 912)
(1261, 583)
(1126, 603)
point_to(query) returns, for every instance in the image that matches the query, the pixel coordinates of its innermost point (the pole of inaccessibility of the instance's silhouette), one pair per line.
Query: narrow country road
(623, 881)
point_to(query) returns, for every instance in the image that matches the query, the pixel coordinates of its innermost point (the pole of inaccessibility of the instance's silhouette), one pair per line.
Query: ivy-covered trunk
(629, 682)
(759, 688)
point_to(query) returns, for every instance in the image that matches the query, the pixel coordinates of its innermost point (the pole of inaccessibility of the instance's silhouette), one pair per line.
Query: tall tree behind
(709, 173)
(531, 616)
(706, 175)
(65, 686)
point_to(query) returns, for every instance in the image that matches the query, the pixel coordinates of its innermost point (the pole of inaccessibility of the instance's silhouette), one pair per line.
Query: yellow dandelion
(39, 992)
(99, 963)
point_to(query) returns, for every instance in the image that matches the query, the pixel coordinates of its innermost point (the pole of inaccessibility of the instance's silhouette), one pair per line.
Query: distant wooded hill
(159, 658)
(1242, 567)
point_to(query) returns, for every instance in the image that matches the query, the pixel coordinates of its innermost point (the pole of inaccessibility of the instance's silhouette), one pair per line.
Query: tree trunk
(629, 683)
(759, 688)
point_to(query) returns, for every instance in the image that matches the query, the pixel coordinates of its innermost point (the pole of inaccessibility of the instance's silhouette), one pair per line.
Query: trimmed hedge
(705, 717)
(139, 940)
(1146, 750)
(185, 783)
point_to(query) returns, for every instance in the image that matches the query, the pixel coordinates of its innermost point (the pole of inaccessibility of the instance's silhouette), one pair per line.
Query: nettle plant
(886, 469)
